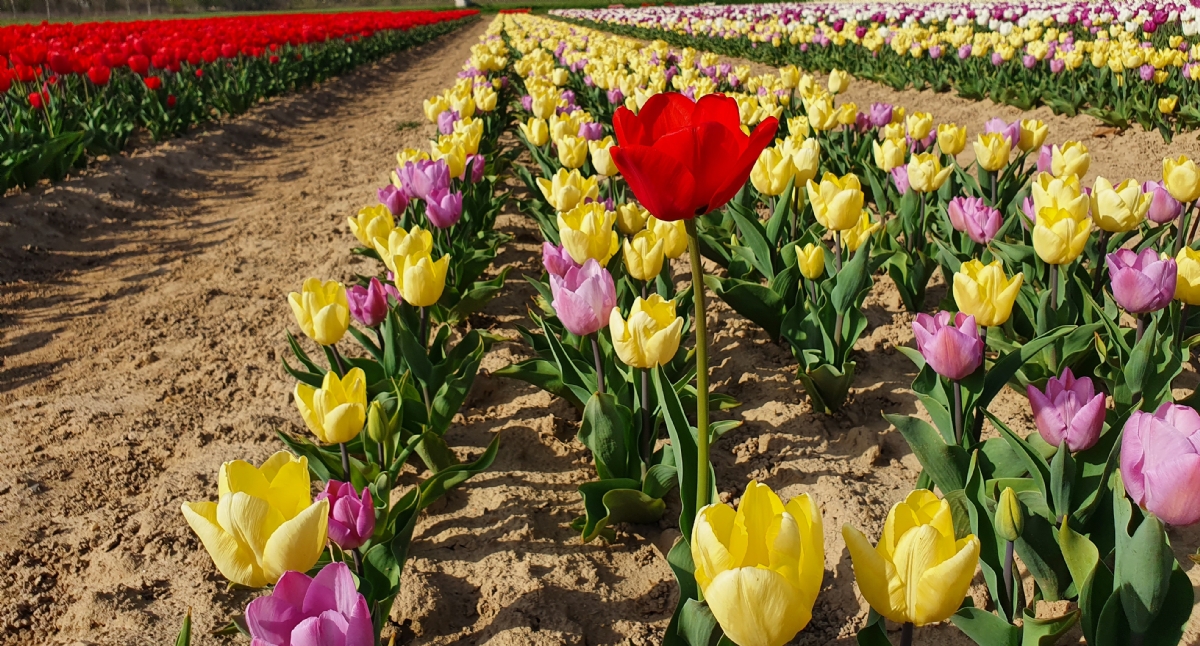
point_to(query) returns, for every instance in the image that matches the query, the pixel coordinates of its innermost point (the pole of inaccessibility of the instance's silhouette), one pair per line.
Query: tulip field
(633, 342)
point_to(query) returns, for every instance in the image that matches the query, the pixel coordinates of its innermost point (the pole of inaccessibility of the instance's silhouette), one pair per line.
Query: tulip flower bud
(951, 138)
(337, 411)
(1162, 207)
(855, 236)
(650, 336)
(889, 154)
(602, 157)
(322, 310)
(1160, 464)
(1069, 410)
(839, 81)
(572, 151)
(1120, 208)
(1187, 282)
(535, 131)
(1141, 282)
(644, 256)
(583, 297)
(972, 216)
(377, 426)
(351, 517)
(1010, 519)
(953, 352)
(811, 260)
(326, 605)
(372, 223)
(421, 280)
(587, 232)
(772, 172)
(919, 125)
(631, 218)
(673, 234)
(568, 189)
(1059, 235)
(1033, 133)
(925, 173)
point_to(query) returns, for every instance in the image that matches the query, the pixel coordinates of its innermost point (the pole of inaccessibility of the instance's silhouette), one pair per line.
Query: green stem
(958, 413)
(1008, 573)
(702, 484)
(599, 363)
(345, 461)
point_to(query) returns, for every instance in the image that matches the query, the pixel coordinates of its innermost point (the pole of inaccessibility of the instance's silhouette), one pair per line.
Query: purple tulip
(591, 131)
(1160, 462)
(1029, 61)
(880, 114)
(369, 305)
(952, 351)
(446, 121)
(421, 178)
(974, 217)
(900, 179)
(935, 52)
(1028, 212)
(1146, 72)
(997, 59)
(351, 517)
(475, 164)
(443, 207)
(527, 103)
(584, 297)
(615, 96)
(1057, 65)
(321, 611)
(1045, 160)
(964, 52)
(1163, 207)
(1011, 131)
(556, 260)
(1070, 410)
(393, 198)
(1141, 282)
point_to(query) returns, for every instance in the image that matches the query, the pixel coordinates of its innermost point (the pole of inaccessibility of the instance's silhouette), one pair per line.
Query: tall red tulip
(99, 74)
(684, 158)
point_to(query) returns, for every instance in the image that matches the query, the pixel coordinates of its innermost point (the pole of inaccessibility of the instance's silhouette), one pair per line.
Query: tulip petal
(297, 543)
(757, 607)
(941, 588)
(710, 539)
(876, 578)
(272, 618)
(659, 182)
(289, 489)
(736, 175)
(233, 560)
(812, 539)
(756, 514)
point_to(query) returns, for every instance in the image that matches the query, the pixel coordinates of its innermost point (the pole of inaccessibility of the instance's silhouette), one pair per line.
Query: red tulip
(170, 100)
(139, 64)
(38, 100)
(99, 74)
(6, 79)
(152, 82)
(683, 158)
(25, 73)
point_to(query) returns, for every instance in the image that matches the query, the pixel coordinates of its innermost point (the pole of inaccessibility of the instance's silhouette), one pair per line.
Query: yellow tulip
(847, 114)
(951, 138)
(401, 244)
(806, 158)
(1072, 158)
(983, 291)
(918, 573)
(408, 155)
(855, 236)
(1049, 192)
(372, 223)
(486, 99)
(821, 115)
(468, 132)
(337, 411)
(602, 157)
(837, 202)
(1166, 105)
(650, 337)
(321, 310)
(672, 233)
(1187, 277)
(789, 76)
(760, 568)
(811, 260)
(631, 218)
(434, 107)
(919, 125)
(1182, 178)
(839, 81)
(1120, 208)
(422, 280)
(644, 255)
(572, 151)
(925, 173)
(586, 231)
(1059, 235)
(991, 151)
(544, 103)
(798, 126)
(892, 131)
(772, 172)
(463, 105)
(559, 76)
(452, 151)
(1033, 134)
(536, 131)
(890, 153)
(567, 189)
(264, 522)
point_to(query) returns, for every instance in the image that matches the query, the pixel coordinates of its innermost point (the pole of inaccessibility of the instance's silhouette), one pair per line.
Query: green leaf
(850, 280)
(945, 463)
(185, 633)
(1045, 632)
(682, 566)
(659, 481)
(603, 431)
(697, 623)
(755, 238)
(1143, 567)
(1005, 367)
(779, 218)
(985, 628)
(683, 444)
(752, 300)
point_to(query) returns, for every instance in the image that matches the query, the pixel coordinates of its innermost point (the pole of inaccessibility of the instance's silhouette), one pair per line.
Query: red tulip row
(73, 90)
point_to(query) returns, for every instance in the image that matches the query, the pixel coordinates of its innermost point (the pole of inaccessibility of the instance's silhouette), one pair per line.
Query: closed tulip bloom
(900, 179)
(583, 297)
(586, 231)
(1011, 131)
(264, 522)
(351, 517)
(401, 244)
(855, 236)
(572, 151)
(880, 115)
(983, 291)
(644, 255)
(919, 125)
(1059, 235)
(1182, 178)
(837, 202)
(839, 81)
(1162, 208)
(567, 189)
(992, 150)
(372, 223)
(631, 218)
(972, 216)
(1069, 410)
(1160, 464)
(422, 280)
(889, 154)
(1118, 208)
(536, 131)
(918, 573)
(420, 178)
(601, 150)
(1141, 282)
(821, 114)
(369, 305)
(1166, 105)
(1049, 192)
(451, 151)
(1072, 158)
(811, 260)
(393, 199)
(1045, 160)
(951, 138)
(672, 233)
(1033, 134)
(760, 568)
(444, 208)
(806, 158)
(772, 172)
(1010, 516)
(847, 114)
(925, 173)
(317, 611)
(321, 310)
(953, 352)
(556, 260)
(1187, 281)
(650, 337)
(337, 411)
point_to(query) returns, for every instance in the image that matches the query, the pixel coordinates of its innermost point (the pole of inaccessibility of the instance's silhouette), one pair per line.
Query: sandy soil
(143, 306)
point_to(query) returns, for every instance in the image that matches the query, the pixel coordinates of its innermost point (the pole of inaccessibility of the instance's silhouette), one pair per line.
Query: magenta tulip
(584, 297)
(880, 115)
(351, 517)
(443, 207)
(325, 610)
(1163, 207)
(475, 166)
(1045, 160)
(591, 131)
(900, 179)
(420, 178)
(369, 305)
(1141, 282)
(446, 121)
(974, 217)
(556, 260)
(1011, 131)
(1070, 410)
(393, 198)
(1160, 462)
(954, 351)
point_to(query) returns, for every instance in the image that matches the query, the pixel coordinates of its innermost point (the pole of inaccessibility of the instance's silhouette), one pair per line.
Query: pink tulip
(420, 178)
(475, 164)
(1028, 212)
(1011, 131)
(953, 352)
(1163, 207)
(556, 260)
(584, 297)
(443, 207)
(351, 517)
(974, 217)
(1045, 160)
(1069, 410)
(325, 610)
(369, 305)
(900, 179)
(591, 131)
(1141, 282)
(393, 198)
(1160, 462)
(446, 121)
